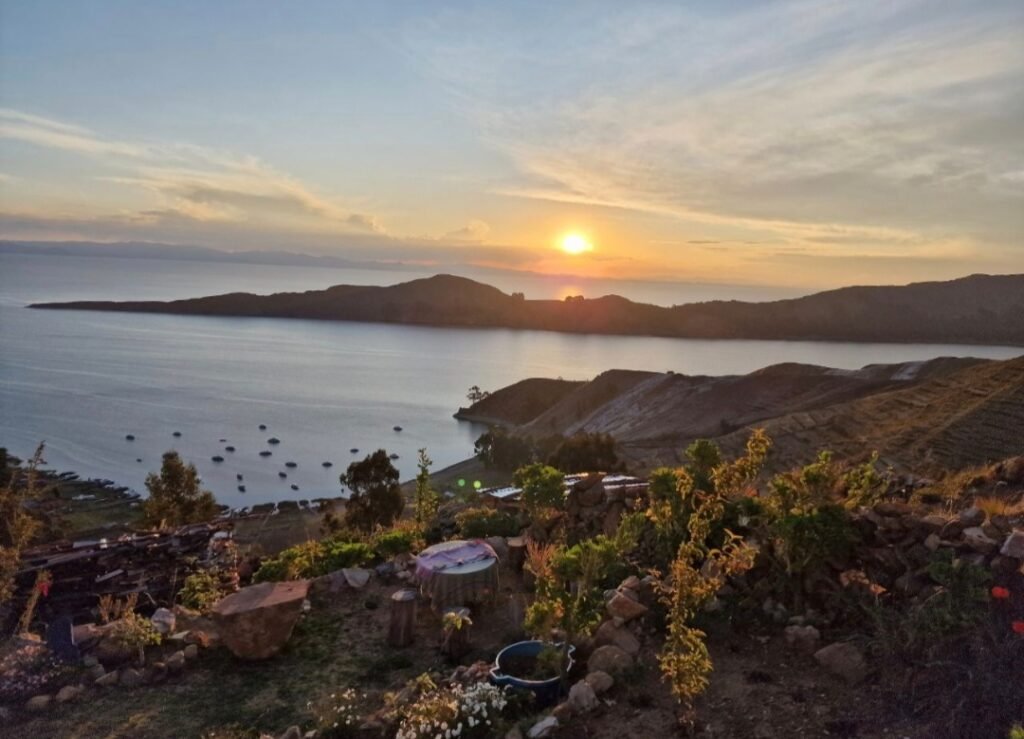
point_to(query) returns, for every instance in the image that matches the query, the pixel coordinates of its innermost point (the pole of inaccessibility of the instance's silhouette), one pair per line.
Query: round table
(457, 573)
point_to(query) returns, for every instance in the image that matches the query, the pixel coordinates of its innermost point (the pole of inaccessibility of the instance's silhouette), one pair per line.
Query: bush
(480, 523)
(398, 540)
(313, 559)
(200, 591)
(585, 452)
(543, 487)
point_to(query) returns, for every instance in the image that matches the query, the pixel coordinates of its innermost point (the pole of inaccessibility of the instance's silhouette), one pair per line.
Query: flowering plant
(337, 715)
(466, 712)
(28, 670)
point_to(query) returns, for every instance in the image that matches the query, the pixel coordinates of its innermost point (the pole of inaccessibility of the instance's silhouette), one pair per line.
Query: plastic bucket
(547, 691)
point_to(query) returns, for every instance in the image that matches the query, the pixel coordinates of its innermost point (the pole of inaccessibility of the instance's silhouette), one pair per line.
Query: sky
(791, 143)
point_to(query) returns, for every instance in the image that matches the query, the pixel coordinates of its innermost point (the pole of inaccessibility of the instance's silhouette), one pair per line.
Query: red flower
(1000, 593)
(1018, 627)
(44, 588)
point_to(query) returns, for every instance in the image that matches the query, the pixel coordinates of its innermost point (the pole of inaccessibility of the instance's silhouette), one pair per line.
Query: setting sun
(575, 243)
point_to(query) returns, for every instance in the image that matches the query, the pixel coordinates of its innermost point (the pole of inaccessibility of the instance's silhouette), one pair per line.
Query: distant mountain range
(980, 309)
(927, 416)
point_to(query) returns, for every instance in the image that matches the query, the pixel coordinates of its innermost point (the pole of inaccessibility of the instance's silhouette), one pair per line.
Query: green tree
(497, 448)
(376, 499)
(427, 500)
(475, 394)
(543, 487)
(585, 452)
(704, 457)
(175, 495)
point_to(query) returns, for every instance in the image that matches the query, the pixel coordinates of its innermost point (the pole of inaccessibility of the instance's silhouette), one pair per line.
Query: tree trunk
(402, 629)
(517, 552)
(455, 643)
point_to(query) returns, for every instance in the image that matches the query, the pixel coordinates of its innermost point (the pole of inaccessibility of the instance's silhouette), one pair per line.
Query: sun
(575, 244)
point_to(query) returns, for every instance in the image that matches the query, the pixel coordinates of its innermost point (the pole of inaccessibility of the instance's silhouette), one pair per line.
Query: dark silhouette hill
(980, 309)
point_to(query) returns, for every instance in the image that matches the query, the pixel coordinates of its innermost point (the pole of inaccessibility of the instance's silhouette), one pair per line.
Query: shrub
(585, 452)
(313, 559)
(200, 591)
(480, 523)
(397, 540)
(426, 500)
(543, 487)
(17, 525)
(497, 448)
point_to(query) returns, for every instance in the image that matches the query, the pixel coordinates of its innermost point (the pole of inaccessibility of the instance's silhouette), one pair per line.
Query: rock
(600, 681)
(38, 703)
(612, 517)
(582, 697)
(157, 673)
(893, 509)
(803, 639)
(292, 732)
(952, 530)
(176, 662)
(932, 542)
(130, 677)
(843, 660)
(563, 712)
(163, 621)
(256, 622)
(1014, 545)
(624, 607)
(111, 652)
(356, 577)
(610, 659)
(108, 680)
(933, 523)
(89, 661)
(608, 633)
(514, 733)
(69, 693)
(632, 582)
(97, 671)
(544, 727)
(191, 651)
(976, 538)
(591, 497)
(909, 584)
(971, 517)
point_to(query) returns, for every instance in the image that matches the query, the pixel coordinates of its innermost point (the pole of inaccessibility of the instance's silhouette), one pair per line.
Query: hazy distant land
(979, 309)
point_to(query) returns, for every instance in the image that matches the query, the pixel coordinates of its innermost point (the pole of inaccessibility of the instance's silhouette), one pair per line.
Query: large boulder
(256, 622)
(582, 697)
(609, 633)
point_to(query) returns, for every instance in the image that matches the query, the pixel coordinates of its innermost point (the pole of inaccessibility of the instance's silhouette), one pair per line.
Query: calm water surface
(82, 380)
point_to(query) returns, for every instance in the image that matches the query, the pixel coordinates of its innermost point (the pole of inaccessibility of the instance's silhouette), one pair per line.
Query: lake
(82, 381)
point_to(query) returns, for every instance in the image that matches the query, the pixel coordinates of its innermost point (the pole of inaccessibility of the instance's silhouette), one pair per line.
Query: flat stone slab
(257, 621)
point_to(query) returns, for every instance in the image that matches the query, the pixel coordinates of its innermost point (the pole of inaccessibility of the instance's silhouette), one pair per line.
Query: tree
(475, 394)
(16, 524)
(376, 498)
(585, 452)
(502, 450)
(543, 487)
(175, 495)
(427, 500)
(704, 457)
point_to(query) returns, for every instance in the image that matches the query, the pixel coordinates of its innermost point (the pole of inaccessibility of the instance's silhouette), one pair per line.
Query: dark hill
(980, 309)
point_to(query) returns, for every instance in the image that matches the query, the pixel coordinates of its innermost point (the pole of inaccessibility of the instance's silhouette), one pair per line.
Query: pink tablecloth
(455, 573)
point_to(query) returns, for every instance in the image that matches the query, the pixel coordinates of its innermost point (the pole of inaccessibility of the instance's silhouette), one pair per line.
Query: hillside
(518, 403)
(980, 309)
(945, 413)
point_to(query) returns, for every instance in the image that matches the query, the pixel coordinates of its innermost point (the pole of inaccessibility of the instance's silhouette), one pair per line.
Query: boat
(229, 449)
(217, 458)
(394, 456)
(397, 428)
(263, 427)
(241, 488)
(238, 476)
(354, 450)
(295, 487)
(273, 440)
(282, 475)
(327, 464)
(129, 437)
(176, 434)
(265, 453)
(292, 465)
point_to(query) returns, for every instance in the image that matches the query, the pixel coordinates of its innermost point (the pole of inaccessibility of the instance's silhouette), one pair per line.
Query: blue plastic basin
(547, 691)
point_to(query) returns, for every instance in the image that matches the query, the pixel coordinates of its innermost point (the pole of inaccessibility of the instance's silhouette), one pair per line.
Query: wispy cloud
(892, 126)
(192, 182)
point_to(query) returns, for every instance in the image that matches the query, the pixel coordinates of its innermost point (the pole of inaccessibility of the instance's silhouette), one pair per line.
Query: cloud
(193, 182)
(475, 230)
(896, 126)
